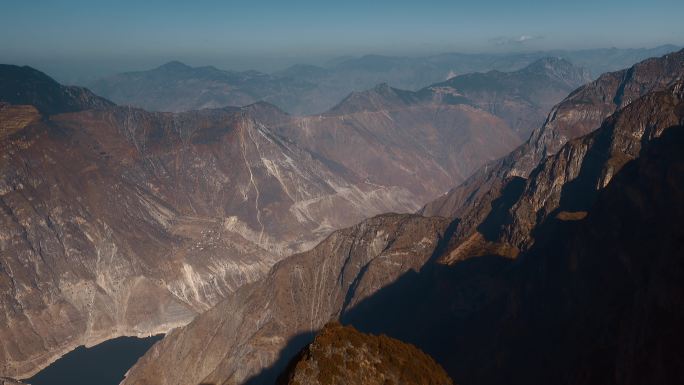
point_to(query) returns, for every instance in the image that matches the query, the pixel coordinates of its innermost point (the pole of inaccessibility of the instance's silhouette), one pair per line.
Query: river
(103, 364)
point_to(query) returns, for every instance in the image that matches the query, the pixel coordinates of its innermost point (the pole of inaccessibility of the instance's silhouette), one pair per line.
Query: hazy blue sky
(133, 33)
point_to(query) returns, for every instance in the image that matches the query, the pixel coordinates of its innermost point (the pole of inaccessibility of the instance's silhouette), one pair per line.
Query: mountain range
(119, 221)
(243, 231)
(308, 89)
(588, 291)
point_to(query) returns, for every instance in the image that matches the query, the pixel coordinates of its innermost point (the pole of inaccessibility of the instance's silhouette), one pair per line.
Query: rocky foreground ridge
(342, 355)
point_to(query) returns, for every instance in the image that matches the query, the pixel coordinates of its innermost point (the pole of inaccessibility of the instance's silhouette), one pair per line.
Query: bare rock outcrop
(342, 355)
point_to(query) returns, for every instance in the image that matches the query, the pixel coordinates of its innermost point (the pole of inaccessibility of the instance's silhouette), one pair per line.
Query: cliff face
(584, 110)
(597, 297)
(566, 184)
(254, 333)
(500, 183)
(342, 355)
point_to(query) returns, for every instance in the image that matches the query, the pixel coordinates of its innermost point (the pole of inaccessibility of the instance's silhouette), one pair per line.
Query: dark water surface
(103, 364)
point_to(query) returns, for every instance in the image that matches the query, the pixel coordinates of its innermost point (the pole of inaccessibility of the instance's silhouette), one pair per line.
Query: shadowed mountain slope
(252, 335)
(27, 86)
(580, 113)
(583, 305)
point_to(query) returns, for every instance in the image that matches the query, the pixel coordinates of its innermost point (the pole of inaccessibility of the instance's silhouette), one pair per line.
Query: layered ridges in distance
(313, 89)
(176, 87)
(521, 98)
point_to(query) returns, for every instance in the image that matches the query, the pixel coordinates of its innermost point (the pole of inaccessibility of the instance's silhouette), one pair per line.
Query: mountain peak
(382, 88)
(559, 67)
(339, 354)
(174, 65)
(380, 97)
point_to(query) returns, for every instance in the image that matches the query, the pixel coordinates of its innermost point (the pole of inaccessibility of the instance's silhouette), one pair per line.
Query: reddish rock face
(342, 355)
(564, 185)
(117, 221)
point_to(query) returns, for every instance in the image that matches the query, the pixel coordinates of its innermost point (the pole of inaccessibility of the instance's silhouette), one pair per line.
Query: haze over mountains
(246, 229)
(467, 300)
(307, 89)
(118, 221)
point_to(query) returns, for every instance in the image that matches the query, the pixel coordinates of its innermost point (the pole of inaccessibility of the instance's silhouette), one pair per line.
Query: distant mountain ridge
(523, 97)
(308, 89)
(177, 87)
(27, 86)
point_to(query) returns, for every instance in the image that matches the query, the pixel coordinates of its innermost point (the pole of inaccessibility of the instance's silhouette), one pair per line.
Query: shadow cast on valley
(596, 300)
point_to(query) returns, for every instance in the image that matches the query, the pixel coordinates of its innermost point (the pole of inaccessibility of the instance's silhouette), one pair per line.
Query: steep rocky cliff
(342, 355)
(566, 184)
(596, 300)
(253, 334)
(499, 183)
